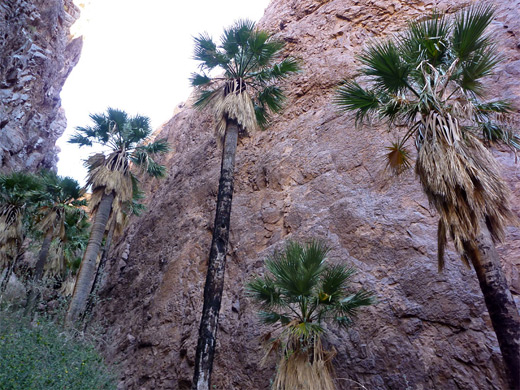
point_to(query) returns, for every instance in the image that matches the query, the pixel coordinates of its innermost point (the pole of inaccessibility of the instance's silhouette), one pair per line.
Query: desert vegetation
(426, 83)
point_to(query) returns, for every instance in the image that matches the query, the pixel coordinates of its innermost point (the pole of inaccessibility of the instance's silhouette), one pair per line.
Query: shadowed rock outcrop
(37, 54)
(312, 174)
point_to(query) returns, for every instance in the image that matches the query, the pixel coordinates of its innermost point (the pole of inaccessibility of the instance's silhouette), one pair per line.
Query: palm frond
(398, 157)
(333, 281)
(469, 27)
(426, 40)
(350, 96)
(347, 309)
(479, 65)
(384, 64)
(197, 80)
(206, 52)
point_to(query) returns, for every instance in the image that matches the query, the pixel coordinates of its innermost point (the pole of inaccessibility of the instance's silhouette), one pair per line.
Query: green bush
(42, 356)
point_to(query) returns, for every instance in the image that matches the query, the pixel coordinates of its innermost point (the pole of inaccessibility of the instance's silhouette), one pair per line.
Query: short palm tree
(59, 197)
(112, 182)
(242, 97)
(16, 190)
(300, 293)
(430, 79)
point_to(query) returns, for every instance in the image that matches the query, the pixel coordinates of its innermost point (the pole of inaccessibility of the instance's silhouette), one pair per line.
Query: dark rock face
(312, 174)
(36, 56)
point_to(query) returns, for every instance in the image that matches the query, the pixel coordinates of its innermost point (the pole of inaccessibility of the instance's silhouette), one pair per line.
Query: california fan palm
(16, 190)
(301, 292)
(112, 182)
(241, 96)
(430, 79)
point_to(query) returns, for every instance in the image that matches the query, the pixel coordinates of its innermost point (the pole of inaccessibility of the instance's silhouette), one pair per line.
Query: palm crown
(301, 291)
(251, 63)
(430, 79)
(129, 140)
(60, 196)
(16, 190)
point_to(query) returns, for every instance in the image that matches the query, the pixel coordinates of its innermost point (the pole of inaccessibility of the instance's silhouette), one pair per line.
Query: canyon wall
(37, 54)
(313, 174)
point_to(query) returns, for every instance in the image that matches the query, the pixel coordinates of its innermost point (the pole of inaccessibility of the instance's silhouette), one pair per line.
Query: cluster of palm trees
(52, 210)
(428, 78)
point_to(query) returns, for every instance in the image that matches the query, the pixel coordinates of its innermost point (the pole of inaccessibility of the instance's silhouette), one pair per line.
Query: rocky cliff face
(36, 56)
(312, 174)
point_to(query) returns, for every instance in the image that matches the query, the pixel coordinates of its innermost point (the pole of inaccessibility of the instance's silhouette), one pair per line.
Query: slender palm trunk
(42, 256)
(499, 302)
(87, 269)
(216, 265)
(38, 271)
(8, 273)
(99, 271)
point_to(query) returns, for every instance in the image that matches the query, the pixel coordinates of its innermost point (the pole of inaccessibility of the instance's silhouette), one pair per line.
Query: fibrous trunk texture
(42, 256)
(87, 270)
(216, 264)
(499, 302)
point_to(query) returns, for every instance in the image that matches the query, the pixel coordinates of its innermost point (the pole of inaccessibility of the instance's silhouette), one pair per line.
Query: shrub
(41, 355)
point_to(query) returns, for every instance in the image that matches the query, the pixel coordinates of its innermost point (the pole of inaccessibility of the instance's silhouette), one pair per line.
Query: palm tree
(59, 197)
(16, 190)
(299, 293)
(430, 79)
(242, 97)
(112, 182)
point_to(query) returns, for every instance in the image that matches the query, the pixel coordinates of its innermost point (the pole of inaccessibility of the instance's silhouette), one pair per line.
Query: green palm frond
(265, 292)
(469, 31)
(426, 40)
(249, 58)
(333, 282)
(301, 291)
(348, 308)
(480, 65)
(350, 96)
(384, 64)
(197, 79)
(206, 52)
(271, 317)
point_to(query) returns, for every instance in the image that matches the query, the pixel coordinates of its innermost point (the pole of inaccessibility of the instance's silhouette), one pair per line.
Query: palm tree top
(252, 62)
(301, 290)
(436, 65)
(123, 134)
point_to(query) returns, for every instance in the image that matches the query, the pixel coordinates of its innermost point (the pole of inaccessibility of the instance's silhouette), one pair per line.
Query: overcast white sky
(137, 56)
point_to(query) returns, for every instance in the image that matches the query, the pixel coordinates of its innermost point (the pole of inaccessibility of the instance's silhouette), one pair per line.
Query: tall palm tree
(242, 97)
(16, 190)
(109, 175)
(430, 79)
(299, 293)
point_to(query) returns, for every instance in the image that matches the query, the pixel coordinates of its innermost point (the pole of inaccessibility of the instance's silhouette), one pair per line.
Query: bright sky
(137, 56)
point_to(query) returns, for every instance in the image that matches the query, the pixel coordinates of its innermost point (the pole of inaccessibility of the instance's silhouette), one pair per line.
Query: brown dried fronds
(462, 181)
(111, 174)
(235, 103)
(304, 365)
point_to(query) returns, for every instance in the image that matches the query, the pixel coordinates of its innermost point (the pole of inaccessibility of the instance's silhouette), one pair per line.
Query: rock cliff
(37, 54)
(312, 174)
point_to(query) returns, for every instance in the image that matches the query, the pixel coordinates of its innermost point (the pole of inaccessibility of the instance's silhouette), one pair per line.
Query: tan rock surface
(312, 174)
(37, 54)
